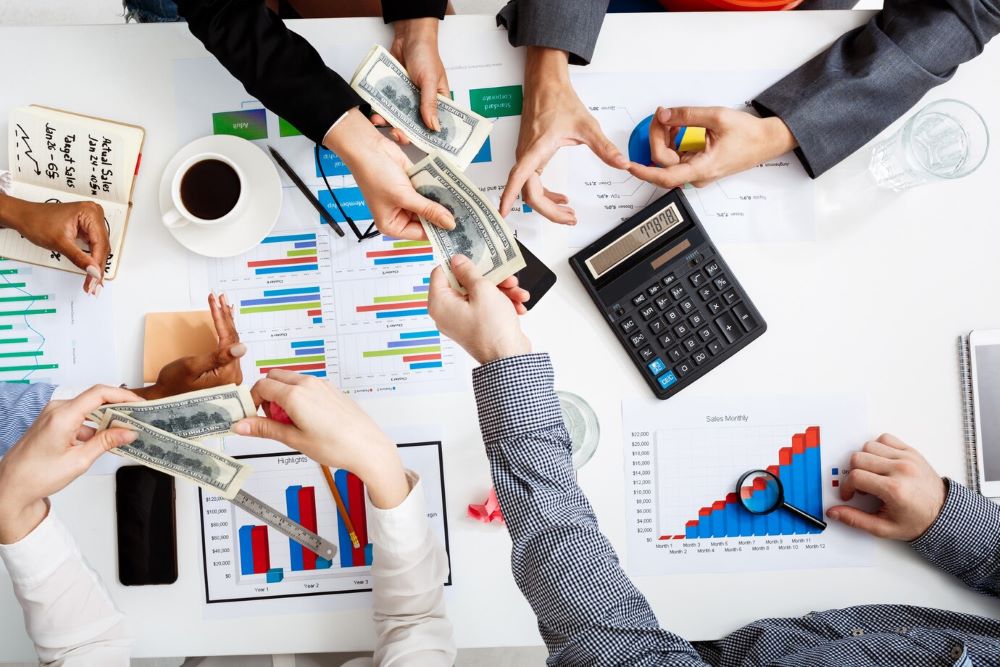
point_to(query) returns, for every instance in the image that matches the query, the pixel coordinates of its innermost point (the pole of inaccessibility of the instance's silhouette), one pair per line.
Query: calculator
(672, 301)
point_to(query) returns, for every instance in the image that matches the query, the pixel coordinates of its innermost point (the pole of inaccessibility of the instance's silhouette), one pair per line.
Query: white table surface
(874, 305)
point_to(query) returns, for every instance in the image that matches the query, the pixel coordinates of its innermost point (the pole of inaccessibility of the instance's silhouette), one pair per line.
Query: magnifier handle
(805, 516)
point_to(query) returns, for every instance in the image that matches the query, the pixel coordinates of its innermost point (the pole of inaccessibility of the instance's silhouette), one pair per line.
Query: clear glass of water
(945, 140)
(581, 422)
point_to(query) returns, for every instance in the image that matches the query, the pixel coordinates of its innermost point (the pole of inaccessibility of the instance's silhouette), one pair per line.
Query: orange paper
(170, 336)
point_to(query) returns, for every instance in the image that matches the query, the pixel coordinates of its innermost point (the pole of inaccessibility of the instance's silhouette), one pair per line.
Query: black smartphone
(147, 529)
(534, 277)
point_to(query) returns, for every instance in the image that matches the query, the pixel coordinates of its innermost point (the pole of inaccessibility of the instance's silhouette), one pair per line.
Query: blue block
(350, 199)
(331, 163)
(275, 575)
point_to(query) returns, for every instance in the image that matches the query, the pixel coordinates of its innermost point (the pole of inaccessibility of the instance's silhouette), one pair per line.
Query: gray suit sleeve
(567, 25)
(869, 77)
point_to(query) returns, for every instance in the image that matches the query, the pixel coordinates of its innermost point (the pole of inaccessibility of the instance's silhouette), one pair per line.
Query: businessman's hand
(57, 449)
(415, 46)
(379, 167)
(484, 321)
(553, 117)
(912, 493)
(331, 429)
(734, 141)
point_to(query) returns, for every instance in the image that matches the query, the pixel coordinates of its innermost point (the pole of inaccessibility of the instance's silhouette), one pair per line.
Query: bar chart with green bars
(22, 346)
(308, 356)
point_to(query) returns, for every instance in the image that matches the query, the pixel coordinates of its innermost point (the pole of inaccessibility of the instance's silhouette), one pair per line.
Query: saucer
(262, 208)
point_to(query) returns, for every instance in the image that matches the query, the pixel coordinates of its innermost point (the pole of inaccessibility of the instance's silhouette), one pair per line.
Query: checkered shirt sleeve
(588, 610)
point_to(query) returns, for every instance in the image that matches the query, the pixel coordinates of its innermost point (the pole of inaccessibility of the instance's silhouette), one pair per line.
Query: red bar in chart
(261, 550)
(307, 517)
(359, 517)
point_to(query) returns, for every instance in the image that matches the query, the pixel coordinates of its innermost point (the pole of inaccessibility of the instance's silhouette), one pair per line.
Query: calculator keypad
(685, 318)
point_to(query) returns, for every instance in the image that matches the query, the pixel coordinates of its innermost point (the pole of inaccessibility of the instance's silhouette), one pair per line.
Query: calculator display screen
(635, 240)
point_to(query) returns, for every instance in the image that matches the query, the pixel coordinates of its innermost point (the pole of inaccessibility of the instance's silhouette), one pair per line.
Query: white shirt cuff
(401, 528)
(7, 181)
(34, 558)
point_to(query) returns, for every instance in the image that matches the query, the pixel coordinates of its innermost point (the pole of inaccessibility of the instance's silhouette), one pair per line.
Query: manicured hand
(484, 321)
(203, 371)
(553, 117)
(734, 141)
(912, 494)
(379, 167)
(57, 449)
(331, 429)
(415, 46)
(58, 227)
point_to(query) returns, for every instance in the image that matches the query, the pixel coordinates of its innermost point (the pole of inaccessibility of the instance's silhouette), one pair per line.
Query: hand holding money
(383, 82)
(415, 46)
(194, 415)
(57, 449)
(480, 233)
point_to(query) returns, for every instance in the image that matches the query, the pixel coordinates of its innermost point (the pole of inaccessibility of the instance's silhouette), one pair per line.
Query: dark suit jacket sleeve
(567, 25)
(839, 100)
(277, 66)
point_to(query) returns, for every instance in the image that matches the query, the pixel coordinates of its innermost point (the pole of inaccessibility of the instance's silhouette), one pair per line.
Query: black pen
(305, 191)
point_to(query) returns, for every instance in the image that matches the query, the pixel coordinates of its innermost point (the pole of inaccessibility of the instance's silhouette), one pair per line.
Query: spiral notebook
(968, 414)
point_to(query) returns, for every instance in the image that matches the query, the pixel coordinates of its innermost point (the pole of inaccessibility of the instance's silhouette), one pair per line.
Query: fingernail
(94, 271)
(458, 260)
(97, 289)
(238, 350)
(833, 513)
(126, 438)
(663, 115)
(242, 428)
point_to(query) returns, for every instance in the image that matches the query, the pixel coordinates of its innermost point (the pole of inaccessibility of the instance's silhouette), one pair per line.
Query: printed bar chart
(352, 491)
(255, 552)
(411, 304)
(308, 357)
(800, 474)
(288, 253)
(401, 252)
(417, 349)
(300, 502)
(304, 299)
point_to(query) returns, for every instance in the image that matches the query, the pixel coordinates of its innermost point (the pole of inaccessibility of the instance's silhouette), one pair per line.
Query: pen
(340, 507)
(305, 191)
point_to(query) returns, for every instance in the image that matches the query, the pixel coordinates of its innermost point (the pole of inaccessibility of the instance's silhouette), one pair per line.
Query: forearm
(11, 212)
(274, 64)
(564, 25)
(409, 568)
(67, 611)
(842, 98)
(965, 539)
(586, 606)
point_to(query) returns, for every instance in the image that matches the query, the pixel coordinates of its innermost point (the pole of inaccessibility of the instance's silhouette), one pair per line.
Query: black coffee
(210, 189)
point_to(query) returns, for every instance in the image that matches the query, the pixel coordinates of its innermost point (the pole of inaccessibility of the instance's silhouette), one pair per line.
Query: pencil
(307, 193)
(340, 507)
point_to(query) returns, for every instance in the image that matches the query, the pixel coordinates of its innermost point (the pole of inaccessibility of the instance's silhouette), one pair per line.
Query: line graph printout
(771, 202)
(50, 331)
(683, 461)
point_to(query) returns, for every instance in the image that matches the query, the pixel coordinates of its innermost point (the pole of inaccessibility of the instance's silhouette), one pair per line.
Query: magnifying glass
(761, 492)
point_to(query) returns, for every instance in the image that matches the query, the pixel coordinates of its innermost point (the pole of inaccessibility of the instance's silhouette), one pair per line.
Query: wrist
(353, 137)
(17, 521)
(384, 477)
(545, 67)
(502, 349)
(10, 212)
(422, 28)
(780, 137)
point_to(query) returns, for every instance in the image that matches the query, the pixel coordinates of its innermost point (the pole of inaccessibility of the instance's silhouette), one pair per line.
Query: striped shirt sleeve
(20, 405)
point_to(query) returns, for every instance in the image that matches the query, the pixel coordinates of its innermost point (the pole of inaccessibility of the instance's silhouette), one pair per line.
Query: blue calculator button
(666, 380)
(656, 366)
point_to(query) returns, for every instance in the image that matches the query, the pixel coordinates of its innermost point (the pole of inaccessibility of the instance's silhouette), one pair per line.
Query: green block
(248, 124)
(497, 102)
(286, 129)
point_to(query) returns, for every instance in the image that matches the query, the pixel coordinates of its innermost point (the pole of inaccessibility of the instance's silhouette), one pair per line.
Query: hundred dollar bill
(179, 457)
(480, 233)
(196, 414)
(382, 82)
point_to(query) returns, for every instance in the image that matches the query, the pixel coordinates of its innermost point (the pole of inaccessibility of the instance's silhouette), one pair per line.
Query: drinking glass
(945, 140)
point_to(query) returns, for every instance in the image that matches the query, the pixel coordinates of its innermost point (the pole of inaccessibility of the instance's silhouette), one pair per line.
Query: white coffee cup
(180, 216)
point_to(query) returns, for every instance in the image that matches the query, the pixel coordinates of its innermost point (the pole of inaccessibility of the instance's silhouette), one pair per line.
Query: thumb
(105, 441)
(605, 149)
(262, 427)
(428, 210)
(73, 253)
(855, 518)
(466, 273)
(203, 363)
(428, 105)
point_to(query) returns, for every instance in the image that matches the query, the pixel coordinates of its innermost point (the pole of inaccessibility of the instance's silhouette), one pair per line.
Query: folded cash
(179, 457)
(382, 82)
(480, 233)
(196, 414)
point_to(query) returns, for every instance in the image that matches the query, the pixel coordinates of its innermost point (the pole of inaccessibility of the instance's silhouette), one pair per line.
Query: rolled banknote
(196, 414)
(382, 82)
(179, 457)
(480, 233)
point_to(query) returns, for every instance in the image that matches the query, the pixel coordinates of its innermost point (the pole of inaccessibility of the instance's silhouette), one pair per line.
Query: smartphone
(984, 349)
(534, 277)
(147, 528)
